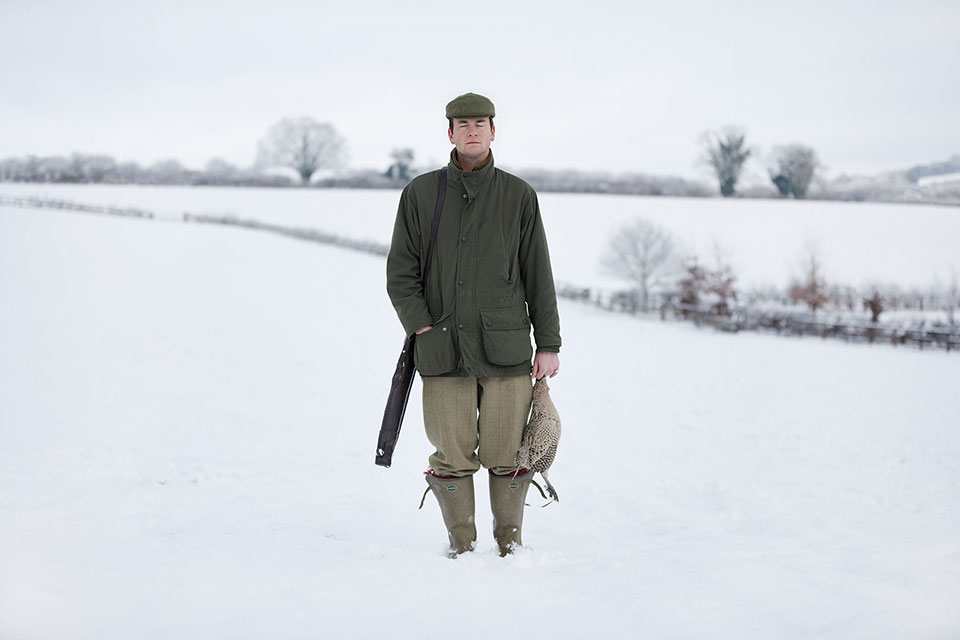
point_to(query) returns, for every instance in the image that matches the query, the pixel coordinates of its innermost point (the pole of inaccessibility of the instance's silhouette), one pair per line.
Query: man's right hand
(426, 328)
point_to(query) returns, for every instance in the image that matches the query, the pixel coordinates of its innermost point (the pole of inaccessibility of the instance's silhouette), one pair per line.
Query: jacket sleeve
(538, 277)
(404, 284)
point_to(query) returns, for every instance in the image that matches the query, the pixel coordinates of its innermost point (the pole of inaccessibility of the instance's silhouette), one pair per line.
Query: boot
(507, 496)
(455, 496)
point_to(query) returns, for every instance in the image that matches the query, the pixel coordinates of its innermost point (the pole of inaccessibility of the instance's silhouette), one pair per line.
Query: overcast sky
(591, 85)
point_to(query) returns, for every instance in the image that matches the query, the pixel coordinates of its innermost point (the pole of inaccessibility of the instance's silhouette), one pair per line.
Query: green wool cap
(470, 105)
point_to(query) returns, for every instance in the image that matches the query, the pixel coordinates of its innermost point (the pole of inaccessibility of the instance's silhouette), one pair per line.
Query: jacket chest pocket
(498, 247)
(433, 350)
(506, 336)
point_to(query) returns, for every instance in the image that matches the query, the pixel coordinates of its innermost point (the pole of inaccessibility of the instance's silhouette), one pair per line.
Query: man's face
(472, 136)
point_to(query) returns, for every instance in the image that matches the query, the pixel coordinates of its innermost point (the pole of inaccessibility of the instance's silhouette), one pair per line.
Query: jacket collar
(470, 180)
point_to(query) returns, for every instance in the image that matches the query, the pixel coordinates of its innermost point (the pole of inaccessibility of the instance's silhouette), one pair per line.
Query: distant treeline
(638, 184)
(564, 181)
(79, 168)
(83, 168)
(934, 169)
(103, 169)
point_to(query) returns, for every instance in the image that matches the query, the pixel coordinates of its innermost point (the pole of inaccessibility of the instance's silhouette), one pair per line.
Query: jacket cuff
(550, 349)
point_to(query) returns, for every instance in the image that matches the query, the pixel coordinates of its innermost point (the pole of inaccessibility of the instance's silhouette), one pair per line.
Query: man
(489, 281)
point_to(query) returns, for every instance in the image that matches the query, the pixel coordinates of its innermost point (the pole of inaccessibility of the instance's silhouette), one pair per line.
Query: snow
(763, 240)
(189, 415)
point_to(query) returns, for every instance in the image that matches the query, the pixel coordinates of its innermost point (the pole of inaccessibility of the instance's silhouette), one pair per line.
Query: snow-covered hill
(188, 417)
(763, 240)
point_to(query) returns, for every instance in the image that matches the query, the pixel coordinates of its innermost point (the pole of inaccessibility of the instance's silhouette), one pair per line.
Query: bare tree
(726, 154)
(302, 144)
(701, 286)
(693, 284)
(640, 252)
(792, 168)
(811, 287)
(720, 281)
(875, 305)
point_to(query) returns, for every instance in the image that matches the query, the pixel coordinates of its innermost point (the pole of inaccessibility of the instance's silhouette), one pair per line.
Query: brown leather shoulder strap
(436, 224)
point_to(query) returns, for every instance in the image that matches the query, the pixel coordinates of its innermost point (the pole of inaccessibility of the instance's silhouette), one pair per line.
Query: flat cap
(470, 105)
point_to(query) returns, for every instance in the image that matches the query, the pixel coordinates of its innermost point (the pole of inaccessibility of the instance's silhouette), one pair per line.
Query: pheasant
(538, 447)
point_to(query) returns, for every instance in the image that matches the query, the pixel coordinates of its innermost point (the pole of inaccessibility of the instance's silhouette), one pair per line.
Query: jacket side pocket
(433, 350)
(506, 336)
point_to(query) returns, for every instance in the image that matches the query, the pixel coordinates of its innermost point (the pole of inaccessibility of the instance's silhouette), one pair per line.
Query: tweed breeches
(474, 422)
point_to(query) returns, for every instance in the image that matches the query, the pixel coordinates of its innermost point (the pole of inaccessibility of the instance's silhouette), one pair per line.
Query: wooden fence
(310, 235)
(46, 203)
(917, 334)
(920, 334)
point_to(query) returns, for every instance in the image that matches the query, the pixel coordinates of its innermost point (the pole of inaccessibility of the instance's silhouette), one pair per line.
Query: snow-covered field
(860, 243)
(188, 417)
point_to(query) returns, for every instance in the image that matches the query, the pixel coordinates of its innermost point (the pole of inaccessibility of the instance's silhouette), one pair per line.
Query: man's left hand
(545, 363)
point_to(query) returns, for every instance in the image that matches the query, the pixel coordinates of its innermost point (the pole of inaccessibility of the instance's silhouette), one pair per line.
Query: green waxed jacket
(490, 279)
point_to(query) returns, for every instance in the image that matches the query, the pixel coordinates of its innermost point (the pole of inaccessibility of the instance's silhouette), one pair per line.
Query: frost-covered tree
(792, 168)
(402, 166)
(725, 152)
(169, 171)
(47, 169)
(220, 168)
(640, 252)
(92, 167)
(219, 171)
(129, 172)
(301, 144)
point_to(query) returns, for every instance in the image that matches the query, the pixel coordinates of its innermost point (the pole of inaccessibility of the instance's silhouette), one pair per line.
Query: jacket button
(444, 329)
(460, 283)
(464, 196)
(525, 321)
(489, 324)
(463, 239)
(469, 370)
